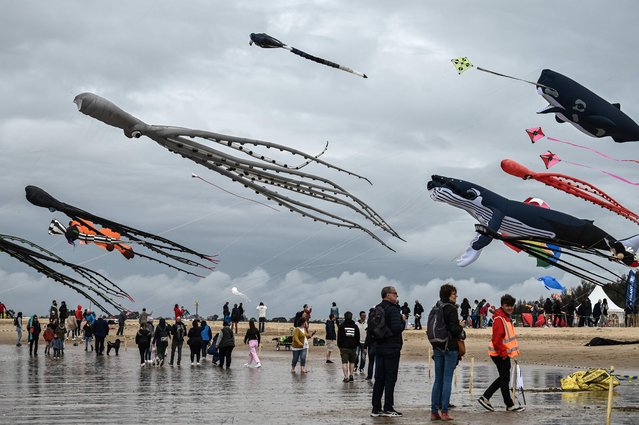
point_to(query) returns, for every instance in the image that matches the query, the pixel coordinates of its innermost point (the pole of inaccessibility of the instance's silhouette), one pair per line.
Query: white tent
(615, 313)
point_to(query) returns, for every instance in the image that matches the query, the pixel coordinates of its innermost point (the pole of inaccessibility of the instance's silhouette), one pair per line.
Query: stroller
(213, 351)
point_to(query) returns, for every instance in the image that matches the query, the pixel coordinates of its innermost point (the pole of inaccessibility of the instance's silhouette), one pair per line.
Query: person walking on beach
(207, 335)
(474, 314)
(17, 322)
(100, 330)
(161, 338)
(195, 342)
(87, 330)
(331, 337)
(548, 312)
(226, 344)
(143, 340)
(177, 311)
(570, 312)
(334, 311)
(596, 313)
(299, 347)
(78, 318)
(121, 322)
(235, 317)
(347, 341)
(261, 314)
(360, 351)
(445, 354)
(252, 338)
(465, 311)
(226, 313)
(534, 312)
(556, 312)
(34, 329)
(143, 317)
(178, 332)
(49, 333)
(71, 326)
(405, 310)
(63, 312)
(418, 311)
(56, 344)
(604, 313)
(503, 346)
(369, 346)
(53, 312)
(387, 354)
(240, 309)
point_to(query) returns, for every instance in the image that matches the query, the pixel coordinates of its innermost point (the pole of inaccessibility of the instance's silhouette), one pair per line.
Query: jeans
(205, 347)
(445, 364)
(386, 368)
(360, 356)
(33, 345)
(99, 344)
(174, 346)
(502, 382)
(88, 340)
(120, 331)
(19, 332)
(299, 355)
(262, 324)
(225, 355)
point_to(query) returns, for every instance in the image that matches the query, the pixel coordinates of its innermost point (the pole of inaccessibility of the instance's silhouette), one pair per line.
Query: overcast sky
(189, 64)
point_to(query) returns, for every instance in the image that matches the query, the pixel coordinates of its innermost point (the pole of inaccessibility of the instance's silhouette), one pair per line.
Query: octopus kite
(82, 228)
(264, 175)
(571, 185)
(525, 226)
(96, 283)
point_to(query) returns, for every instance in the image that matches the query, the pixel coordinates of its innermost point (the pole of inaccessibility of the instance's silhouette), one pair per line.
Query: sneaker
(247, 365)
(350, 378)
(198, 363)
(258, 365)
(446, 417)
(376, 413)
(514, 408)
(162, 362)
(329, 361)
(142, 364)
(486, 403)
(435, 416)
(192, 363)
(392, 413)
(345, 379)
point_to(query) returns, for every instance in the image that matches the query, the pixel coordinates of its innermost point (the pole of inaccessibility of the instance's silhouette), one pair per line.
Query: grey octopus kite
(264, 175)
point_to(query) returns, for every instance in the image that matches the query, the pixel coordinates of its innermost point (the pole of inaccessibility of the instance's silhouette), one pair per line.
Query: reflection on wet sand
(83, 388)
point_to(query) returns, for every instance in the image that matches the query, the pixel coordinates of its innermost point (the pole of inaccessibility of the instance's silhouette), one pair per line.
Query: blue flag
(631, 292)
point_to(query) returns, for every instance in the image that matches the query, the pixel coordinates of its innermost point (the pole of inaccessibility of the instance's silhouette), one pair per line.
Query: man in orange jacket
(503, 347)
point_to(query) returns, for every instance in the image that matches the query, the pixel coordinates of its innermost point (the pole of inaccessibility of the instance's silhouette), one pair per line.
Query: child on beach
(88, 336)
(56, 344)
(252, 338)
(48, 337)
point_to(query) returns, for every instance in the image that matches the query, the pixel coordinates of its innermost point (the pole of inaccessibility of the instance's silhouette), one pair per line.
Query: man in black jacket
(100, 330)
(347, 341)
(178, 332)
(387, 356)
(418, 311)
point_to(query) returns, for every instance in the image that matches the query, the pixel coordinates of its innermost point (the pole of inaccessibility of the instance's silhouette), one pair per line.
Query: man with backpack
(178, 331)
(386, 324)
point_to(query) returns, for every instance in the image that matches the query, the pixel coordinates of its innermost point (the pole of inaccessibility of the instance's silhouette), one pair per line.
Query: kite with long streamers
(265, 41)
(536, 134)
(571, 102)
(96, 283)
(571, 185)
(237, 293)
(551, 159)
(551, 283)
(524, 226)
(265, 176)
(155, 243)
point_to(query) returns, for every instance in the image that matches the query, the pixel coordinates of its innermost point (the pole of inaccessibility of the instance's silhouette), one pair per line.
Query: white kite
(236, 292)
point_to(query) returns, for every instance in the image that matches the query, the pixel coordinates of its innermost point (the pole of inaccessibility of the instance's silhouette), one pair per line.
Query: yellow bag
(590, 380)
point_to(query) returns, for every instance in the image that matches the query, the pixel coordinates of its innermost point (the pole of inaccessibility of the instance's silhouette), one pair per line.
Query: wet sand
(84, 388)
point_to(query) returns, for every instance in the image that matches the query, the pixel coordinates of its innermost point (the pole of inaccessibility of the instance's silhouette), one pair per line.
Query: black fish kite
(267, 42)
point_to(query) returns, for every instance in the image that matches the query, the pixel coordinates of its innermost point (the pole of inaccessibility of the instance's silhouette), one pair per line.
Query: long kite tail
(32, 259)
(323, 61)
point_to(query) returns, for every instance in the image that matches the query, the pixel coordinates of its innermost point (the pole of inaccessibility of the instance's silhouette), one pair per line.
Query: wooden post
(472, 375)
(609, 409)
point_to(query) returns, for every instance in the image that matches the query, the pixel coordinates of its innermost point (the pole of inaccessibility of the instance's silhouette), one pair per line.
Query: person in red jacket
(503, 346)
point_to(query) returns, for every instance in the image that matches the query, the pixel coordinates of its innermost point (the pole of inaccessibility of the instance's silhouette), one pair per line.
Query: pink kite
(551, 159)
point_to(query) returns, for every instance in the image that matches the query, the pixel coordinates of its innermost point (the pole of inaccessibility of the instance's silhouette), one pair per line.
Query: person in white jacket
(261, 314)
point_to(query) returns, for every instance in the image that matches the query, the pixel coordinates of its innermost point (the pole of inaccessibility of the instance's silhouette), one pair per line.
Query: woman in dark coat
(195, 342)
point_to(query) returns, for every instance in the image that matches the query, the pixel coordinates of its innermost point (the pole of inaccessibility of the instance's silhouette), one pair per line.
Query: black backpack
(436, 329)
(377, 327)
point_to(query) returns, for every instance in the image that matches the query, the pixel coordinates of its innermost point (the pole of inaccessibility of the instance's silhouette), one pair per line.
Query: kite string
(592, 150)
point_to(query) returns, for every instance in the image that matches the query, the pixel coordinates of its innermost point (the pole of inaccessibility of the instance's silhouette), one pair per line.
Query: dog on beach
(115, 345)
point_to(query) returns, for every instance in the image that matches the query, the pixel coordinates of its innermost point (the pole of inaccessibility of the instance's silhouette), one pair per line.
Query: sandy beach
(562, 347)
